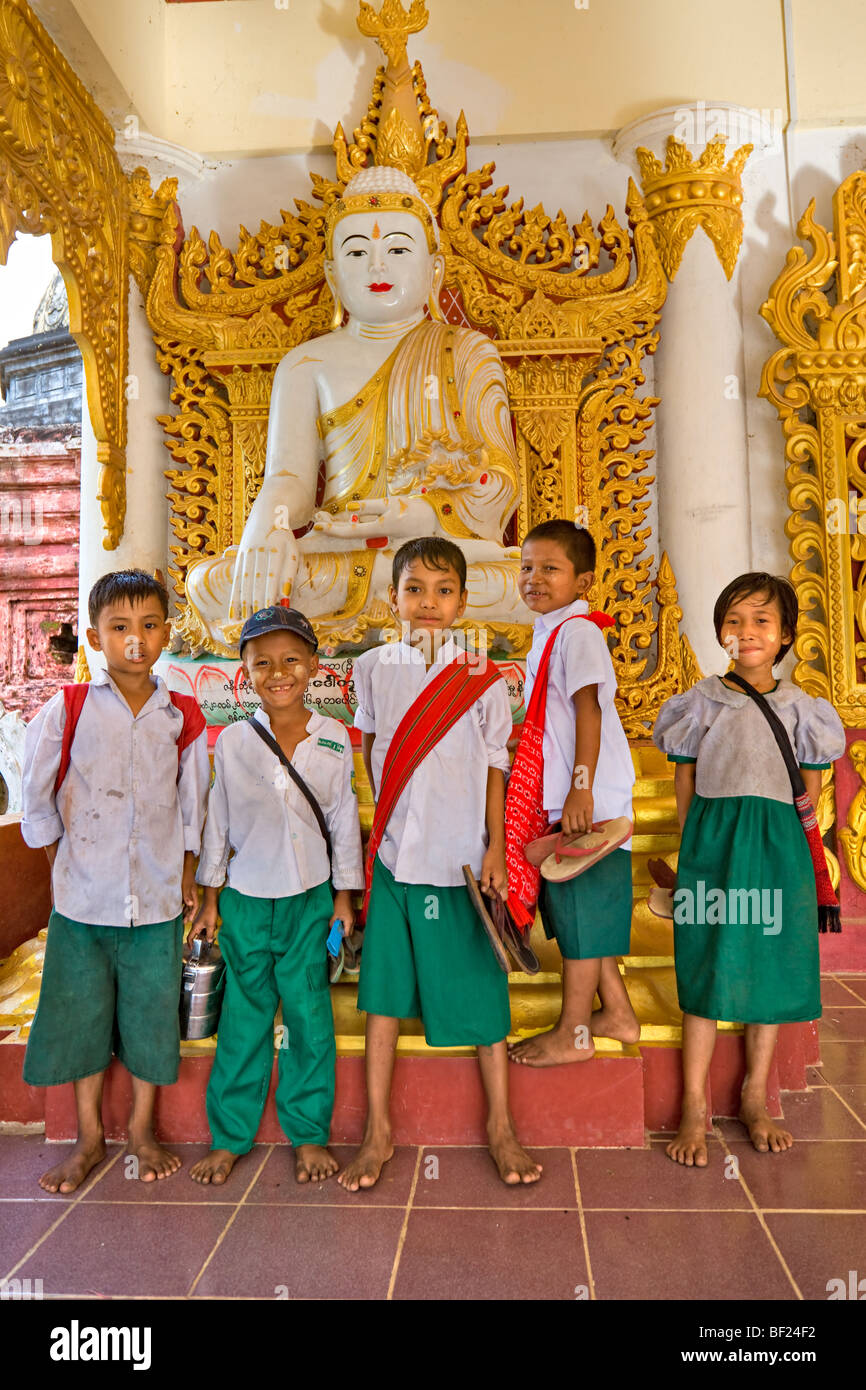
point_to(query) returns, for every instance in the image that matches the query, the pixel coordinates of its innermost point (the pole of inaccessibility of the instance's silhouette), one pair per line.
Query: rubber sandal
(515, 941)
(487, 922)
(661, 896)
(537, 850)
(574, 854)
(335, 965)
(352, 952)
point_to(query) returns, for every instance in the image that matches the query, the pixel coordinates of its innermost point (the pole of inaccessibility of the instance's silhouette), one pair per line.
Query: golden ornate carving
(146, 211)
(59, 175)
(82, 670)
(572, 338)
(689, 193)
(817, 382)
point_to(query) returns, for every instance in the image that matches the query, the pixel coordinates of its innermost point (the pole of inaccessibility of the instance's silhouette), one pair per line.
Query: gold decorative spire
(400, 137)
(689, 193)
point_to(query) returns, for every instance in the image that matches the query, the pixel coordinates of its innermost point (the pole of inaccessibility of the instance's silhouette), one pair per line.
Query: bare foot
(689, 1146)
(554, 1047)
(313, 1163)
(365, 1167)
(214, 1167)
(153, 1160)
(515, 1165)
(620, 1024)
(765, 1134)
(73, 1169)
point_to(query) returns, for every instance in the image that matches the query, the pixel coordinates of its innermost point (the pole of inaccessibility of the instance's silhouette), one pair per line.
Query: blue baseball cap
(276, 618)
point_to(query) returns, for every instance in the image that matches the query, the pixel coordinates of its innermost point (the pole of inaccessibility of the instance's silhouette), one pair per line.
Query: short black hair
(131, 586)
(574, 540)
(433, 551)
(776, 588)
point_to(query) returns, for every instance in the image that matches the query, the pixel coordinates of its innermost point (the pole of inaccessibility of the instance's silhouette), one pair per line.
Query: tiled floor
(604, 1224)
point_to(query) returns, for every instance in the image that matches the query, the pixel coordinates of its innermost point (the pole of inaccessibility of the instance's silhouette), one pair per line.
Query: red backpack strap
(73, 699)
(194, 721)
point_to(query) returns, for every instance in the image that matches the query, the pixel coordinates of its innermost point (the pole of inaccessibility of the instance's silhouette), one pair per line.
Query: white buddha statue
(409, 417)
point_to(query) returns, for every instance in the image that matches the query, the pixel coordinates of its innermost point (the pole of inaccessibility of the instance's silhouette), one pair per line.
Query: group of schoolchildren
(117, 788)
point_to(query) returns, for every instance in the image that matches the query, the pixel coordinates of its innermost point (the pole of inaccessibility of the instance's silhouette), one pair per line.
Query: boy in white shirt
(588, 776)
(115, 780)
(425, 952)
(277, 909)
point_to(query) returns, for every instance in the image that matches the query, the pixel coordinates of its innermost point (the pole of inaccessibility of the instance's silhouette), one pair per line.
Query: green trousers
(274, 949)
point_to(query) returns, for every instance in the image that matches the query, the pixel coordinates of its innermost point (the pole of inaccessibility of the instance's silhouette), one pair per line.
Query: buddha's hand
(266, 561)
(396, 518)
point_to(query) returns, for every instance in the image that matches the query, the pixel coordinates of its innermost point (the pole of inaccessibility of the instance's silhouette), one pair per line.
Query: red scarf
(449, 696)
(525, 819)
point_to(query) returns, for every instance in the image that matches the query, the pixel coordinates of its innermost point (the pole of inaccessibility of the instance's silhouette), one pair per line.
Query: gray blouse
(725, 733)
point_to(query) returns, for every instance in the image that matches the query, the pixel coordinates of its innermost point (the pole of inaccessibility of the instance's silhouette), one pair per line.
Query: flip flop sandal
(661, 895)
(660, 901)
(537, 850)
(574, 854)
(352, 952)
(487, 922)
(335, 965)
(515, 941)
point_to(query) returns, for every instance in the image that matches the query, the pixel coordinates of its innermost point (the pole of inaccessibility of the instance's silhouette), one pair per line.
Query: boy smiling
(425, 952)
(277, 908)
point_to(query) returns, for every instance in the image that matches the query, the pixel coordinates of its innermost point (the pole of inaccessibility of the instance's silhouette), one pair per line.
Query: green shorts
(590, 916)
(426, 956)
(104, 990)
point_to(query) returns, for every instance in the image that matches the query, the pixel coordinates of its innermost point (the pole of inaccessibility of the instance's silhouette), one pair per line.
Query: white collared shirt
(256, 810)
(439, 823)
(126, 810)
(580, 657)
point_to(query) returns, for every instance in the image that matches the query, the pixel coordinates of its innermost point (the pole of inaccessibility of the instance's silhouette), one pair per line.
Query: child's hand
(494, 877)
(205, 921)
(577, 812)
(343, 911)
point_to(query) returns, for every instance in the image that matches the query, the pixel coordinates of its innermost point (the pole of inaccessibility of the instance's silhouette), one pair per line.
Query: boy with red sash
(435, 727)
(573, 762)
(116, 774)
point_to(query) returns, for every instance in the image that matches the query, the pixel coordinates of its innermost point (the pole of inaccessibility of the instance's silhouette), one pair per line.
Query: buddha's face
(382, 269)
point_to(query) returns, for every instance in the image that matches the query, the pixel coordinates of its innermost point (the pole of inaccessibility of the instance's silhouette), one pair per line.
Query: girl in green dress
(745, 906)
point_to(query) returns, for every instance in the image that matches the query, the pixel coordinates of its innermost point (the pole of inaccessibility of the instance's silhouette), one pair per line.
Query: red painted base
(608, 1102)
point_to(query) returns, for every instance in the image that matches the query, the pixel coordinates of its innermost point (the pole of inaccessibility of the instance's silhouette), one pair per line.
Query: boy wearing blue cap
(277, 909)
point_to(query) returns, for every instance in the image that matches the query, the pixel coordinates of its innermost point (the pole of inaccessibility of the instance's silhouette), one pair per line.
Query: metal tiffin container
(201, 990)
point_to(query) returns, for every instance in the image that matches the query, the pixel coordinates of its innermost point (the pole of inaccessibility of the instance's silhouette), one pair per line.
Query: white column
(702, 469)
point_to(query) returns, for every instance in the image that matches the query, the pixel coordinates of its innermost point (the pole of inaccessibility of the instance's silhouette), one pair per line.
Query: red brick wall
(39, 526)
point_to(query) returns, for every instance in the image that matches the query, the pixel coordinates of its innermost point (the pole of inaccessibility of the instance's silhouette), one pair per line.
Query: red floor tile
(821, 1248)
(276, 1182)
(856, 1098)
(468, 1178)
(843, 1062)
(807, 1176)
(151, 1251)
(492, 1255)
(23, 1160)
(21, 1225)
(842, 1024)
(719, 1255)
(810, 1115)
(642, 1180)
(857, 983)
(119, 1185)
(326, 1253)
(834, 994)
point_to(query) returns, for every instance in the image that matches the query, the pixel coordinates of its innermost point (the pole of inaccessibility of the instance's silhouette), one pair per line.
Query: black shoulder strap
(296, 778)
(780, 733)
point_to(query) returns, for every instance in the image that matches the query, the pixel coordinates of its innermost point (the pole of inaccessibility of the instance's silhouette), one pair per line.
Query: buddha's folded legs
(346, 594)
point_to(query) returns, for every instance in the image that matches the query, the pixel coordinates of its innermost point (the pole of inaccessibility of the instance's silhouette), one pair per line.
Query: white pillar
(702, 471)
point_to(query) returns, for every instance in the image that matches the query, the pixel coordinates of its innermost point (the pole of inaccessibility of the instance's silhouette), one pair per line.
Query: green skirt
(745, 913)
